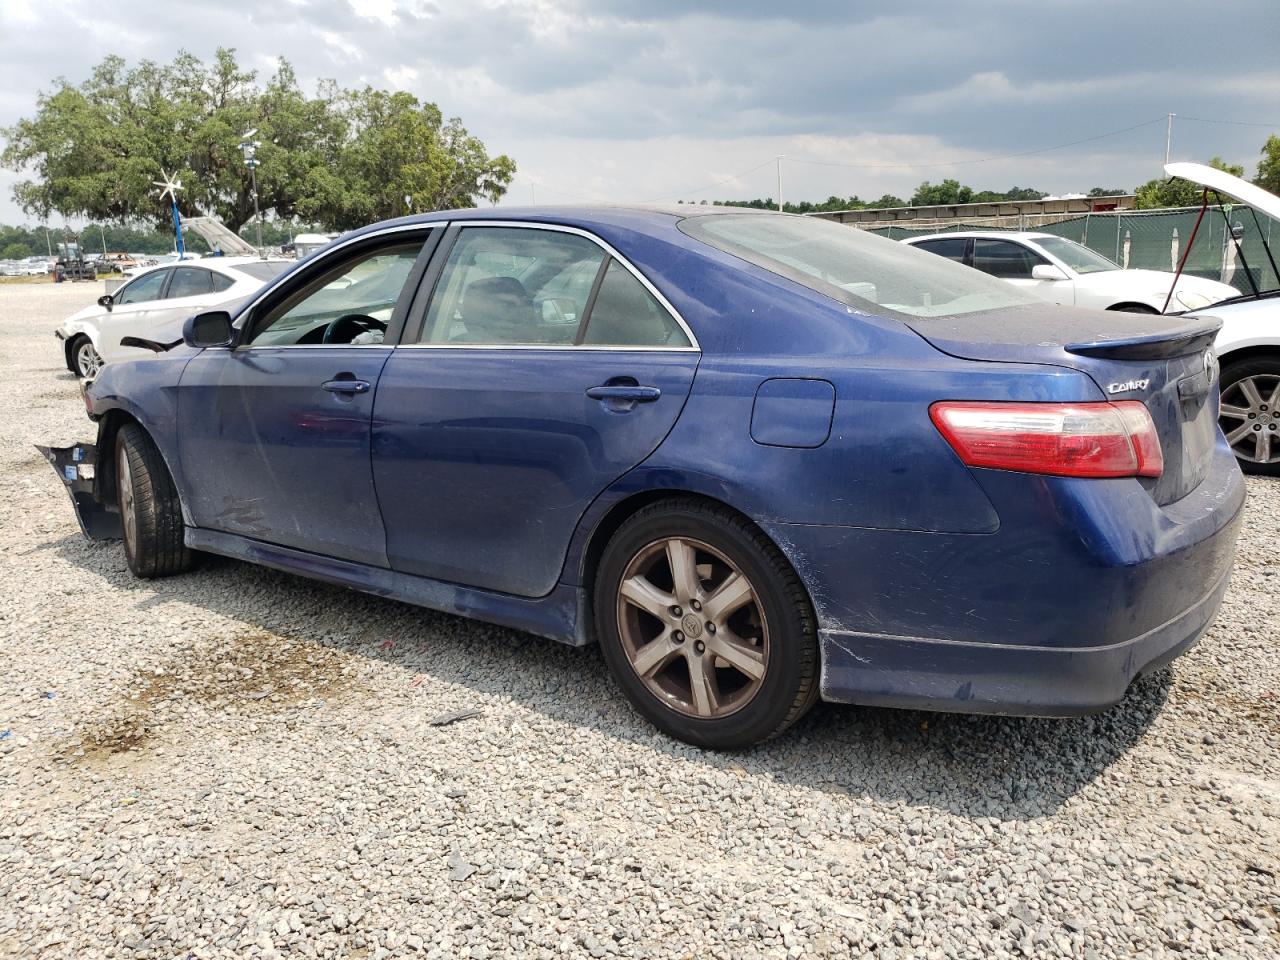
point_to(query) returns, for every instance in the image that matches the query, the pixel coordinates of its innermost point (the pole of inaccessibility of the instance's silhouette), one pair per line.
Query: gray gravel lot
(241, 763)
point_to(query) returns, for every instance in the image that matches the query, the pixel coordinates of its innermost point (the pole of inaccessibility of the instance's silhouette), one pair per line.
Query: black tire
(789, 685)
(1233, 373)
(1133, 308)
(73, 353)
(150, 513)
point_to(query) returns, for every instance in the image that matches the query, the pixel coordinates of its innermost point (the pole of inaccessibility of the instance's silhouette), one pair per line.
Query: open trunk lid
(1166, 362)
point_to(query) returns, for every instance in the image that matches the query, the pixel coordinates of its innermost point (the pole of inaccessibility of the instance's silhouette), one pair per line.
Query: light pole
(1168, 139)
(249, 147)
(780, 158)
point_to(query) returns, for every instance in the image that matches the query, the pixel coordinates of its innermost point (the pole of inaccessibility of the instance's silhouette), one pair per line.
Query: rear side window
(626, 314)
(264, 270)
(189, 282)
(951, 247)
(222, 282)
(1005, 259)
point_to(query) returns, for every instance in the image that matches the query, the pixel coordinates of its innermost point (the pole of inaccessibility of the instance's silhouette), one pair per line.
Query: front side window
(626, 314)
(1005, 259)
(189, 282)
(854, 267)
(144, 288)
(351, 303)
(506, 285)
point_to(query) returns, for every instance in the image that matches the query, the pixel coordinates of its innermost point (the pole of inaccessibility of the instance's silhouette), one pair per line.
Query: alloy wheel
(87, 360)
(1250, 418)
(128, 509)
(693, 627)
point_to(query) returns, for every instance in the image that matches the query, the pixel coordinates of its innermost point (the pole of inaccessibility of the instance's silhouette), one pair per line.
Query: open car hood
(1226, 184)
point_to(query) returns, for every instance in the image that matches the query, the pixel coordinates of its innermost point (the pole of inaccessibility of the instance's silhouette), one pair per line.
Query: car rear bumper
(1003, 678)
(1085, 586)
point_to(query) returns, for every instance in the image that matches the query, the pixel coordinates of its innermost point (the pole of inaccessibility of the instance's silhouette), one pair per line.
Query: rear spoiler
(1155, 346)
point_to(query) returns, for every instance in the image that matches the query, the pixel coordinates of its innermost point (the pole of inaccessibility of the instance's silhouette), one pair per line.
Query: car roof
(651, 219)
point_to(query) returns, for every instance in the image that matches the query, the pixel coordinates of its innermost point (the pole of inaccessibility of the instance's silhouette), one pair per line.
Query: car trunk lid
(1166, 362)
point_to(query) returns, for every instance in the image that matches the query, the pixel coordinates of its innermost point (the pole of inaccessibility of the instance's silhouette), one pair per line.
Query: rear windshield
(264, 269)
(857, 268)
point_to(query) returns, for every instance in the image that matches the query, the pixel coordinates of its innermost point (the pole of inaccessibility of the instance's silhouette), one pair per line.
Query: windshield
(1076, 256)
(854, 267)
(264, 269)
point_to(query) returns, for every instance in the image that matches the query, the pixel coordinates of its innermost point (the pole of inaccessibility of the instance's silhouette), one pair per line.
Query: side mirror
(211, 329)
(1047, 271)
(106, 301)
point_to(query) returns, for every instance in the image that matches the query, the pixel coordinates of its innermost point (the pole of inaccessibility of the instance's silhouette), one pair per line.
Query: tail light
(1061, 439)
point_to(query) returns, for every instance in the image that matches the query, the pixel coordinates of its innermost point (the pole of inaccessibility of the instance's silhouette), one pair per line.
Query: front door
(1014, 263)
(542, 371)
(274, 435)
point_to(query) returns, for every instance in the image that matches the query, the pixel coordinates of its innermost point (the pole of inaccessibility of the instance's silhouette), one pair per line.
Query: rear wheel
(705, 626)
(85, 358)
(150, 513)
(1249, 414)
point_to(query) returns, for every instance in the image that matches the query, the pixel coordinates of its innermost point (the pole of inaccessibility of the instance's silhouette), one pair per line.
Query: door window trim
(422, 300)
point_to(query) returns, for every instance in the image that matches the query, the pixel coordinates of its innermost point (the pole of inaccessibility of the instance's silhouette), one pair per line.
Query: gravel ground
(241, 763)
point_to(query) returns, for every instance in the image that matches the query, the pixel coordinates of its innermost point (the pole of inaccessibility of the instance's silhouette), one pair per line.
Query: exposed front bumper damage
(77, 467)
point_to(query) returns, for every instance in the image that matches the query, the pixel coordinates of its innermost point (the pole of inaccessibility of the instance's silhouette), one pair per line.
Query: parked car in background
(152, 305)
(1063, 271)
(761, 459)
(1248, 344)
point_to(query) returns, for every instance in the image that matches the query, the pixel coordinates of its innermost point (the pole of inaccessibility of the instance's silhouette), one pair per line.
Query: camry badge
(1127, 385)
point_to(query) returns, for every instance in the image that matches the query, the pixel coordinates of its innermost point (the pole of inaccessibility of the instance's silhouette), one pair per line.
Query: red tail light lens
(1061, 439)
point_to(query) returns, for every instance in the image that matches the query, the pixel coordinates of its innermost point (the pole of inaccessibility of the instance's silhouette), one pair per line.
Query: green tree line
(342, 157)
(1160, 192)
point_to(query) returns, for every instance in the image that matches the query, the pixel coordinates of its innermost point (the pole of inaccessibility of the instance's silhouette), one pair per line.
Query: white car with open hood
(1248, 344)
(1063, 271)
(148, 311)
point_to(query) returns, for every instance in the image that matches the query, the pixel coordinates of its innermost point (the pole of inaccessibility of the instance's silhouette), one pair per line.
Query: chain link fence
(1148, 239)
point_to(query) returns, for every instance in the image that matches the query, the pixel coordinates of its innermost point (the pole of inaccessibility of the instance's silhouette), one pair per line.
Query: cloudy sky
(692, 99)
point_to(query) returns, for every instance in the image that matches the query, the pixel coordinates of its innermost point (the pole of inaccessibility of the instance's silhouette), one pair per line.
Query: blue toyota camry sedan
(760, 459)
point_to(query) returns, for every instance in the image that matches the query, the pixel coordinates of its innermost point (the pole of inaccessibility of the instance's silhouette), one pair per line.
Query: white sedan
(1064, 271)
(152, 306)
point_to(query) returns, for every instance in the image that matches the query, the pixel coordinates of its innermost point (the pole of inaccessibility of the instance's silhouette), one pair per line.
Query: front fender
(145, 391)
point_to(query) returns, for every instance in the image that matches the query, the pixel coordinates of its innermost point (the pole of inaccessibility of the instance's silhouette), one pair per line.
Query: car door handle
(346, 386)
(637, 394)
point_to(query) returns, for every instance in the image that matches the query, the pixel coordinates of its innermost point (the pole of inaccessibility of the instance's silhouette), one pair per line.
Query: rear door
(540, 370)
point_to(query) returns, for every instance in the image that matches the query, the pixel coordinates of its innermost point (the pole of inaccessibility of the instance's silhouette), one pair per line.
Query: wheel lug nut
(678, 636)
(677, 612)
(695, 604)
(711, 627)
(700, 646)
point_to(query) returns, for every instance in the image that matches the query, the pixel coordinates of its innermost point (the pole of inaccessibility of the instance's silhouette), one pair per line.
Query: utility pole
(249, 148)
(533, 193)
(102, 230)
(48, 244)
(779, 183)
(1168, 138)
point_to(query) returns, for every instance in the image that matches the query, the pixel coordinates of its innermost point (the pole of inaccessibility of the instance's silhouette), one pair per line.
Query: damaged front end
(77, 467)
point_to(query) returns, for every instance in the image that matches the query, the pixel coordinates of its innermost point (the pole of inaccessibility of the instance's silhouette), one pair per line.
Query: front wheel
(150, 513)
(705, 626)
(1249, 415)
(86, 359)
